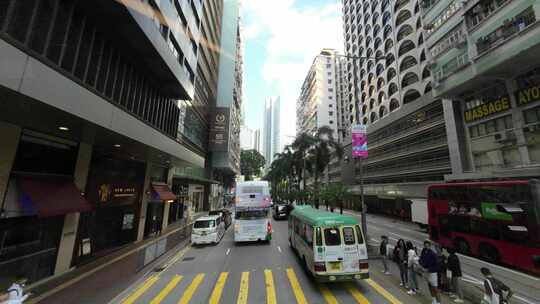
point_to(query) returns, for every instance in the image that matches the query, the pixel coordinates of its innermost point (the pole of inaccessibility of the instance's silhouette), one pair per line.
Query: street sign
(359, 141)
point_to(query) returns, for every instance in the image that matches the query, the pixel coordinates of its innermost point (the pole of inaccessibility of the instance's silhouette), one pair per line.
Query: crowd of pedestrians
(442, 273)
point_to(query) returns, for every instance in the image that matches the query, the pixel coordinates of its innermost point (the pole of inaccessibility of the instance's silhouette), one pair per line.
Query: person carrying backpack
(428, 260)
(495, 290)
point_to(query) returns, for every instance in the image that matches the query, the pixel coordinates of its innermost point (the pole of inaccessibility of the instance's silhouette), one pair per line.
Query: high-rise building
(484, 59)
(108, 101)
(246, 138)
(271, 129)
(317, 104)
(257, 140)
(390, 93)
(225, 143)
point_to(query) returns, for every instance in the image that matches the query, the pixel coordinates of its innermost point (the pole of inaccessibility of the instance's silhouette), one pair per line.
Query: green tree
(251, 162)
(320, 153)
(301, 144)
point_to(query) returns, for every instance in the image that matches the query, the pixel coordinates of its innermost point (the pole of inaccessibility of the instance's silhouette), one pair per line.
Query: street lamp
(357, 119)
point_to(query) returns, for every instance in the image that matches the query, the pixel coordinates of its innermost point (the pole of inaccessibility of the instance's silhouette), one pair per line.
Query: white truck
(419, 212)
(251, 212)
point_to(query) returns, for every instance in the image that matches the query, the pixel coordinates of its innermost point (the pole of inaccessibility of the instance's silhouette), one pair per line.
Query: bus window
(485, 228)
(348, 235)
(318, 236)
(251, 214)
(359, 235)
(309, 235)
(446, 227)
(332, 237)
(515, 234)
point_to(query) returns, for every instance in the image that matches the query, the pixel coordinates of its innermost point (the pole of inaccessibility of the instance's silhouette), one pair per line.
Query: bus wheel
(489, 253)
(462, 246)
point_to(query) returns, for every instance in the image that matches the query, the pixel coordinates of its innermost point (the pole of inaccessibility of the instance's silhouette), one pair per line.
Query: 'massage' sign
(487, 109)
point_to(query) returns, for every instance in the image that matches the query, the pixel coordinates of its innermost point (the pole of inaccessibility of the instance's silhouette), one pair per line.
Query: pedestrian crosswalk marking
(297, 290)
(190, 291)
(327, 295)
(357, 295)
(170, 286)
(244, 288)
(144, 287)
(218, 289)
(270, 290)
(383, 291)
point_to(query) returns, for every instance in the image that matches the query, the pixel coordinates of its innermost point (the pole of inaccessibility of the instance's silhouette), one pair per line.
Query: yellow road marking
(139, 291)
(165, 291)
(244, 288)
(270, 290)
(298, 293)
(188, 294)
(357, 295)
(383, 291)
(327, 295)
(218, 289)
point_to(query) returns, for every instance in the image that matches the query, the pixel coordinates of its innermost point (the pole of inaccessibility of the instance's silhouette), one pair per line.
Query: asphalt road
(524, 285)
(256, 273)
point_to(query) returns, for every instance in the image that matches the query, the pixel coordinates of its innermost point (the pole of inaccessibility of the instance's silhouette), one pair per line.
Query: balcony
(509, 29)
(412, 147)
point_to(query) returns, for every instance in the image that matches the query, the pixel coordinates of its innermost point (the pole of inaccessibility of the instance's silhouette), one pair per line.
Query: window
(329, 81)
(318, 236)
(309, 235)
(359, 236)
(330, 90)
(348, 236)
(204, 224)
(330, 105)
(331, 122)
(332, 237)
(331, 113)
(251, 215)
(328, 66)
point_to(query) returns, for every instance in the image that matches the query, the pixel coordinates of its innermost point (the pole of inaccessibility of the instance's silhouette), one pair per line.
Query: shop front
(160, 197)
(40, 193)
(114, 188)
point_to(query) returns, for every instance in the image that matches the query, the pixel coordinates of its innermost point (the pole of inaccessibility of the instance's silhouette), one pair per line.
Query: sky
(281, 39)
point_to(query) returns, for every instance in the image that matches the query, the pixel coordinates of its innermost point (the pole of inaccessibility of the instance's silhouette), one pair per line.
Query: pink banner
(359, 141)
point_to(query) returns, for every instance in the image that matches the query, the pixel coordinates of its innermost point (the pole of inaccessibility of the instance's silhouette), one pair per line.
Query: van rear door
(333, 249)
(350, 249)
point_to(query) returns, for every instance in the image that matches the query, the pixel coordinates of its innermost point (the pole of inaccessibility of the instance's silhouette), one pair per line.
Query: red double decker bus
(496, 221)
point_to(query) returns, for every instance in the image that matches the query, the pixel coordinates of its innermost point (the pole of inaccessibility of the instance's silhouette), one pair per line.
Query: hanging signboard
(359, 141)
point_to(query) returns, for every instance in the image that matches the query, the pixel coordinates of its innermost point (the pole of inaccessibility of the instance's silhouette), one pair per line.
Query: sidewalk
(101, 280)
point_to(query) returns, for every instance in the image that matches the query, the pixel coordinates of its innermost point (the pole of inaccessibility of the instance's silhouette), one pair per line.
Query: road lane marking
(357, 295)
(327, 295)
(228, 251)
(382, 291)
(279, 249)
(244, 288)
(297, 290)
(270, 290)
(190, 291)
(165, 291)
(139, 291)
(218, 289)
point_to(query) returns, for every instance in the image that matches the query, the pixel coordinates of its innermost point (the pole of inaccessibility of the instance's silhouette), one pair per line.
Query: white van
(208, 230)
(252, 212)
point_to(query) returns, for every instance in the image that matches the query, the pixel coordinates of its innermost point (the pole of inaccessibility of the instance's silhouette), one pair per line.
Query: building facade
(484, 60)
(257, 140)
(104, 107)
(317, 105)
(271, 129)
(390, 92)
(246, 138)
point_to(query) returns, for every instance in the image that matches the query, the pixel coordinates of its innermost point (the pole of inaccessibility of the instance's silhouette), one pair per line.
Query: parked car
(225, 214)
(280, 211)
(208, 230)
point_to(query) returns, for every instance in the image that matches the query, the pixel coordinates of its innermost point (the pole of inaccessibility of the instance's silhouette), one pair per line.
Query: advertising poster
(359, 141)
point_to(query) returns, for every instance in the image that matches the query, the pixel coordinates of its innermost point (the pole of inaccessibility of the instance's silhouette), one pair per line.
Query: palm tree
(302, 143)
(283, 172)
(320, 154)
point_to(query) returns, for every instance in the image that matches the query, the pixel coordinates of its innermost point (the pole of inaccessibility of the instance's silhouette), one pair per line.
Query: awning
(52, 197)
(162, 192)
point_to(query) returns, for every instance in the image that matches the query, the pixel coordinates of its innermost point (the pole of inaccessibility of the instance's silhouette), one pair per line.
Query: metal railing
(411, 147)
(420, 165)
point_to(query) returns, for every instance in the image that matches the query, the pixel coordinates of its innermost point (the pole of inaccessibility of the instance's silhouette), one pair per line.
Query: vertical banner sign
(359, 141)
(219, 130)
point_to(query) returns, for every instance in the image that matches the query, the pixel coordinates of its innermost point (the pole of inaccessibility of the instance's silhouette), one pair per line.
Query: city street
(525, 286)
(256, 273)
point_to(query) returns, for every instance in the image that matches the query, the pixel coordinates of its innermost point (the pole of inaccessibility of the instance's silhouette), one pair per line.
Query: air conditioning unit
(505, 137)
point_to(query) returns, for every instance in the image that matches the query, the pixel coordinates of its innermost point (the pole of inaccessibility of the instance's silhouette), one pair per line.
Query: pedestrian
(454, 266)
(383, 250)
(412, 263)
(400, 257)
(15, 293)
(428, 260)
(496, 292)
